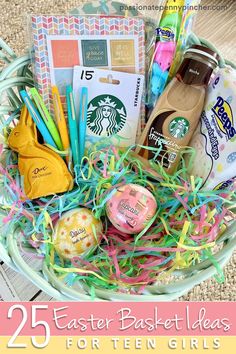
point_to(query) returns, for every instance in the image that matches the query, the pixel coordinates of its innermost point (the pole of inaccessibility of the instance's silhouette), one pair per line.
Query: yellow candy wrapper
(42, 170)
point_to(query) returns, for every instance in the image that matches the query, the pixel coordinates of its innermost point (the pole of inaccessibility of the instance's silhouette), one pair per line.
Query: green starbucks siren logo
(179, 127)
(106, 115)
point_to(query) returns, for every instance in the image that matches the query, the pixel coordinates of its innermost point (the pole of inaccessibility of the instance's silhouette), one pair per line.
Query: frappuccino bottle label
(177, 111)
(165, 149)
(179, 127)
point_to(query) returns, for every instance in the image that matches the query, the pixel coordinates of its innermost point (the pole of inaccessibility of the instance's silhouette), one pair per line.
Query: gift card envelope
(114, 100)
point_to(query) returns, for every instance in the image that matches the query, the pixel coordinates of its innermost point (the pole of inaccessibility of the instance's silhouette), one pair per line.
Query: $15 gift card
(114, 101)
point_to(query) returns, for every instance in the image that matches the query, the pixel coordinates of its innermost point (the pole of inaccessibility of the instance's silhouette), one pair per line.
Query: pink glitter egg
(131, 208)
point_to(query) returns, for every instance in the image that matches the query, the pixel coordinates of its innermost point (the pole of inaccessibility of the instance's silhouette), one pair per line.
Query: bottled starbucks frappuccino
(178, 110)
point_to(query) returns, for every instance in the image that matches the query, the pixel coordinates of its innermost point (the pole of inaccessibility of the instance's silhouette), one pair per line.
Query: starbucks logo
(179, 127)
(106, 115)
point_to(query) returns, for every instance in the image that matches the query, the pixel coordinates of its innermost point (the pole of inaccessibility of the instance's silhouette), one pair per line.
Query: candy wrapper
(166, 40)
(214, 140)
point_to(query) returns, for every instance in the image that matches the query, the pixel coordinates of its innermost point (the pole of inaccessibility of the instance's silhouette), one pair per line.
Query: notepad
(65, 52)
(62, 42)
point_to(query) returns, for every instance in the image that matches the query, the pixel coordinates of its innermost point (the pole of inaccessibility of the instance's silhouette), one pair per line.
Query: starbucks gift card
(114, 102)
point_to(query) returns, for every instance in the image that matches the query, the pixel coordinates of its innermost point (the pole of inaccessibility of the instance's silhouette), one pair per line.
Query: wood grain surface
(219, 27)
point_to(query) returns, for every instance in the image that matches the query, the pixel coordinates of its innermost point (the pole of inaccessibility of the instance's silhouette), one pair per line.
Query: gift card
(114, 100)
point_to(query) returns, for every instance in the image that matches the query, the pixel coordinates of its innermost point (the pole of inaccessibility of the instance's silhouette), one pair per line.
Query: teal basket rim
(47, 281)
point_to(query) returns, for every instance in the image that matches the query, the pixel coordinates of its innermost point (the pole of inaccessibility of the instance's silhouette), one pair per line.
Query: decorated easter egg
(131, 208)
(232, 157)
(74, 235)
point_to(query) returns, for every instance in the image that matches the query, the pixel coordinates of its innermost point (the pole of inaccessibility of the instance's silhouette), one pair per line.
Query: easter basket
(81, 281)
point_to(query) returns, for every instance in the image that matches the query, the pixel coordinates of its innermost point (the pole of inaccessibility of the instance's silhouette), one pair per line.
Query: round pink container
(131, 208)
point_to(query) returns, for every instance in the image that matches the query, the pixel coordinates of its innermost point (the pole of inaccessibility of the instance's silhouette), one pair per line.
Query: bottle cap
(205, 52)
